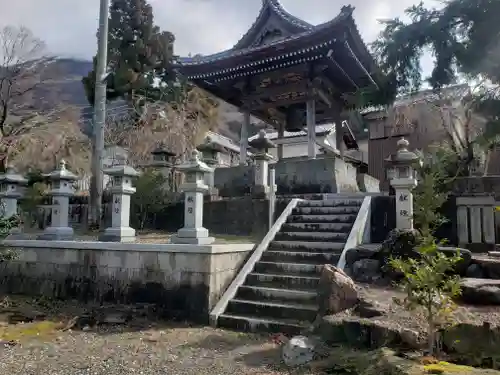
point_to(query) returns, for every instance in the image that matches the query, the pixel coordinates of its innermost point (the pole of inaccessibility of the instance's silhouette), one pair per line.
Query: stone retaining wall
(184, 281)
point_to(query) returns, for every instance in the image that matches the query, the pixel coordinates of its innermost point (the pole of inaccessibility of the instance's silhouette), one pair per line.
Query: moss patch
(43, 330)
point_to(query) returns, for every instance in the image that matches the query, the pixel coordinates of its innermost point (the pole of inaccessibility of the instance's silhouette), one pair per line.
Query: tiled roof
(320, 129)
(223, 141)
(453, 91)
(345, 14)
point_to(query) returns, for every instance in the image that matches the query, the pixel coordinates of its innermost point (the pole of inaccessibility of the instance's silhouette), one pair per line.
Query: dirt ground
(146, 236)
(138, 347)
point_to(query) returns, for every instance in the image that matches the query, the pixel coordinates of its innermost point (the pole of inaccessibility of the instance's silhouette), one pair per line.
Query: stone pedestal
(194, 188)
(121, 190)
(262, 145)
(61, 189)
(404, 202)
(402, 175)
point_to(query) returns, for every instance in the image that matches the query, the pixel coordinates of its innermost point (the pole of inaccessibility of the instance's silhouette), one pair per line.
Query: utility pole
(96, 187)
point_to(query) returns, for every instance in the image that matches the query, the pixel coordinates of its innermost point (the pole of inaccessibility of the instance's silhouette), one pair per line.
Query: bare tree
(55, 138)
(453, 116)
(23, 69)
(179, 126)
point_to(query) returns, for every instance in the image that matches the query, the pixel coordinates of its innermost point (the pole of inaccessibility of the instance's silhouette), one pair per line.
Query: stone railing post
(402, 175)
(194, 188)
(121, 190)
(262, 145)
(61, 189)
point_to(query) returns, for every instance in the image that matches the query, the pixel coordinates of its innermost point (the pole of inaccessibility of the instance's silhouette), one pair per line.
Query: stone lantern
(261, 144)
(61, 188)
(210, 152)
(194, 188)
(121, 190)
(402, 175)
(163, 159)
(11, 185)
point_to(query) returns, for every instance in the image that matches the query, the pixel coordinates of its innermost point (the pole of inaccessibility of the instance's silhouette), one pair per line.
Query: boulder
(336, 291)
(475, 271)
(481, 291)
(359, 252)
(464, 253)
(298, 351)
(366, 270)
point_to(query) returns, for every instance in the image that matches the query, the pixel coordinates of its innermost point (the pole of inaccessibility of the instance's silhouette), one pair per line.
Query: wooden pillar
(281, 135)
(339, 135)
(244, 137)
(311, 129)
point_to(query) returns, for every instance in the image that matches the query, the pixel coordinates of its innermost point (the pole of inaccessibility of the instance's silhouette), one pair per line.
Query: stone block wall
(243, 216)
(184, 281)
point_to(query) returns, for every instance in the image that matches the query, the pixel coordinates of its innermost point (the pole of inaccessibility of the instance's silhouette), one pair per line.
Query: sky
(68, 27)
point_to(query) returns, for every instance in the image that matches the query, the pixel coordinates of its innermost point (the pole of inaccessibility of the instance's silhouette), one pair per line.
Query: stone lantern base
(198, 236)
(57, 234)
(122, 234)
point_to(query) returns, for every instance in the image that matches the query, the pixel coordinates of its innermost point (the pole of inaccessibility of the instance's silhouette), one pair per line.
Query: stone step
(273, 310)
(260, 293)
(300, 257)
(282, 280)
(248, 323)
(311, 236)
(345, 210)
(317, 247)
(288, 268)
(331, 203)
(321, 219)
(317, 227)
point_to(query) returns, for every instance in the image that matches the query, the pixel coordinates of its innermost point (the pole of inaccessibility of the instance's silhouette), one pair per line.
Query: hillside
(69, 89)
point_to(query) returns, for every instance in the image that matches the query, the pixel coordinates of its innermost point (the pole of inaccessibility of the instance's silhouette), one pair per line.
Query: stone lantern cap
(10, 176)
(121, 170)
(262, 143)
(403, 156)
(162, 150)
(210, 145)
(61, 173)
(194, 164)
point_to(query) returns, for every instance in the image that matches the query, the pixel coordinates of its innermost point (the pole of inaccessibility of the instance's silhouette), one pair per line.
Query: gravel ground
(139, 347)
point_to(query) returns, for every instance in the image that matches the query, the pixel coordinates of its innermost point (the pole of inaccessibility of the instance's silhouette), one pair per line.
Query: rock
(361, 252)
(464, 253)
(366, 309)
(336, 292)
(366, 270)
(490, 266)
(474, 271)
(472, 344)
(481, 291)
(299, 350)
(365, 333)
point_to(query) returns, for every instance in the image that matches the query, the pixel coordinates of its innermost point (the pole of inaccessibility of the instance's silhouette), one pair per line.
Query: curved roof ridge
(343, 15)
(277, 8)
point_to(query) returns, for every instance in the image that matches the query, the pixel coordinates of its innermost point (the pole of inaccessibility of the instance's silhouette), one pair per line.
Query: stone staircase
(279, 294)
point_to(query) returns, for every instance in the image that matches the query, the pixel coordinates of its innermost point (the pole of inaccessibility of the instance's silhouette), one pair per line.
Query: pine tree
(140, 56)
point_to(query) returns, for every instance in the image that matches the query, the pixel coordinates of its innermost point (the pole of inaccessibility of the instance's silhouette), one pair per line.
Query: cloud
(200, 26)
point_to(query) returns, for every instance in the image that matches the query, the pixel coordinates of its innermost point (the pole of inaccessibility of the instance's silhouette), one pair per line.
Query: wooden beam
(283, 103)
(276, 90)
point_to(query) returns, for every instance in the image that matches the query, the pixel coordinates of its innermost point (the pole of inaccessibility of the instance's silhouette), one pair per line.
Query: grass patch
(446, 367)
